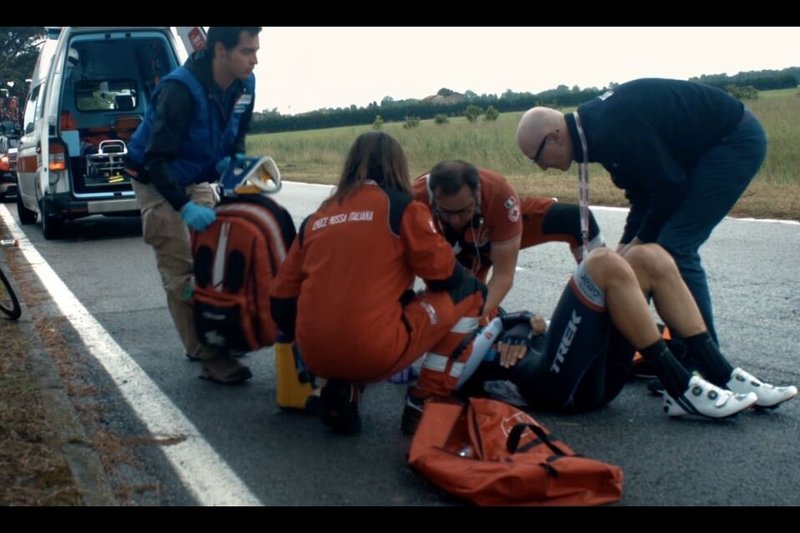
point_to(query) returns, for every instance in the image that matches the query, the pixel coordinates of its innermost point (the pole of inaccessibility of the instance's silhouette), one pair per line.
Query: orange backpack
(235, 260)
(491, 453)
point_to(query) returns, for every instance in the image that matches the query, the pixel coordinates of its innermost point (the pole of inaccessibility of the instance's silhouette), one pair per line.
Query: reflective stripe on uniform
(466, 325)
(438, 363)
(435, 362)
(457, 370)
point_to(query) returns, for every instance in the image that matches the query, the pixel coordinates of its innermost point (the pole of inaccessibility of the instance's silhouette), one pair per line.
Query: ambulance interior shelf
(97, 154)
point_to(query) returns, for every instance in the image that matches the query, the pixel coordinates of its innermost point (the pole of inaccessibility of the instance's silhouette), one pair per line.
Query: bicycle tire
(9, 304)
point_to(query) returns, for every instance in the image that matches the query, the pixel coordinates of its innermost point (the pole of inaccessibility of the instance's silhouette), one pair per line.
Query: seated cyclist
(582, 360)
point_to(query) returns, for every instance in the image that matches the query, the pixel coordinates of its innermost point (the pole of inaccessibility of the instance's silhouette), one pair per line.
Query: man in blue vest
(198, 117)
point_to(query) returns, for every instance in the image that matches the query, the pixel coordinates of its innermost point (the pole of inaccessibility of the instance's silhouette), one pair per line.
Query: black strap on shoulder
(398, 201)
(302, 231)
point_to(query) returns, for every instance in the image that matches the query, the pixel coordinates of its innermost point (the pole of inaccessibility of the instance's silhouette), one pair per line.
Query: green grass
(778, 93)
(779, 112)
(318, 155)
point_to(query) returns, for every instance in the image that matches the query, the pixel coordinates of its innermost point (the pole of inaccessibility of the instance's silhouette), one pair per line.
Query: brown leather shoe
(225, 370)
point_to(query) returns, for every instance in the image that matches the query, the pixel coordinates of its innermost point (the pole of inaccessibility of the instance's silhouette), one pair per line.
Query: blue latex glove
(198, 217)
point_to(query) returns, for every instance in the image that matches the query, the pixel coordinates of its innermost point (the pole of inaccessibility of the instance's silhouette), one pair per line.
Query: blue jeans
(716, 182)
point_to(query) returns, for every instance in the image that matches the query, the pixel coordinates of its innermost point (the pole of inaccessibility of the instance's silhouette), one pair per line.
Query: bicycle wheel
(9, 304)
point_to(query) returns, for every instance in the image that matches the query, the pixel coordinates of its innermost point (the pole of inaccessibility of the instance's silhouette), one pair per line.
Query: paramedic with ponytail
(198, 116)
(343, 291)
(683, 152)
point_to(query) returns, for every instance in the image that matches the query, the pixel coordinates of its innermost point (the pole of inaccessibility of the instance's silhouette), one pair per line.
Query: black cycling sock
(672, 374)
(705, 353)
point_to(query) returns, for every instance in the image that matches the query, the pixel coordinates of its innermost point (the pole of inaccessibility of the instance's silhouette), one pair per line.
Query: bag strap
(512, 443)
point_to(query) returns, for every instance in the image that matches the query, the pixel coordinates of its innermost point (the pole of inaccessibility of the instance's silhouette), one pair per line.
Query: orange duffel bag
(491, 453)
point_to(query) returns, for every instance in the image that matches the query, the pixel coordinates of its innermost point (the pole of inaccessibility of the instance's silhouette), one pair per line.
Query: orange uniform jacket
(349, 267)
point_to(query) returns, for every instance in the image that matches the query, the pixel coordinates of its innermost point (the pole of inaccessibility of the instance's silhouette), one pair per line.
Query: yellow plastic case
(289, 392)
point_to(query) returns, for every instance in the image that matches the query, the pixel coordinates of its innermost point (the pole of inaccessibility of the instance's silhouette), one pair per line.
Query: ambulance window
(40, 102)
(106, 95)
(30, 108)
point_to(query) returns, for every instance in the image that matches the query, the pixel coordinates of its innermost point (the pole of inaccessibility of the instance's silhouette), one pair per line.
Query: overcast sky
(302, 69)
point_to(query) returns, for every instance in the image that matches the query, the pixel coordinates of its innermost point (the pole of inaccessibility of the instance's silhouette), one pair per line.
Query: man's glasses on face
(446, 213)
(538, 153)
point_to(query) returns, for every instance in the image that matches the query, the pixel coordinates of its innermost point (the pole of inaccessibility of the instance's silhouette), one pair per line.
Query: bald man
(683, 152)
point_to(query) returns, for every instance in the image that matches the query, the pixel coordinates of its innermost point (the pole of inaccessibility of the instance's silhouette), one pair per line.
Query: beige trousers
(164, 230)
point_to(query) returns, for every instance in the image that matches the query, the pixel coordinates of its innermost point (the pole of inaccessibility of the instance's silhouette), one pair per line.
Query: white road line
(593, 207)
(309, 184)
(203, 472)
(768, 220)
(300, 185)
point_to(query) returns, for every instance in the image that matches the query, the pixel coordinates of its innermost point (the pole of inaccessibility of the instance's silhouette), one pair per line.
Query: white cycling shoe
(706, 399)
(769, 396)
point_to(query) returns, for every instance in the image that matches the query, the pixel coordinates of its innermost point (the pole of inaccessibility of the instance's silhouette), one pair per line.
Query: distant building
(455, 98)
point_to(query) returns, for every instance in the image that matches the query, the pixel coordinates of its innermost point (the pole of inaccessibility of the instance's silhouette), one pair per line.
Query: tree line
(741, 85)
(397, 111)
(762, 80)
(19, 48)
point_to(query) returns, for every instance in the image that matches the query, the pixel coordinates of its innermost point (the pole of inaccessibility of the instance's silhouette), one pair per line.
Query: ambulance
(89, 92)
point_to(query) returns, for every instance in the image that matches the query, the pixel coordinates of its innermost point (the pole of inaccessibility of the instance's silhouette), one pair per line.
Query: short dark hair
(449, 176)
(228, 35)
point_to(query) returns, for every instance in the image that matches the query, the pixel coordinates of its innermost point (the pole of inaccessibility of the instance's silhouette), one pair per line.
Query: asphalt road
(273, 457)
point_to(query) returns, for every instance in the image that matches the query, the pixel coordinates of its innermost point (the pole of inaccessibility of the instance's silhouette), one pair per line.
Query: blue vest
(206, 141)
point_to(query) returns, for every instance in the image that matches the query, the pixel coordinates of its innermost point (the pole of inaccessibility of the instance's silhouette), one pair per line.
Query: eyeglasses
(446, 213)
(535, 158)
